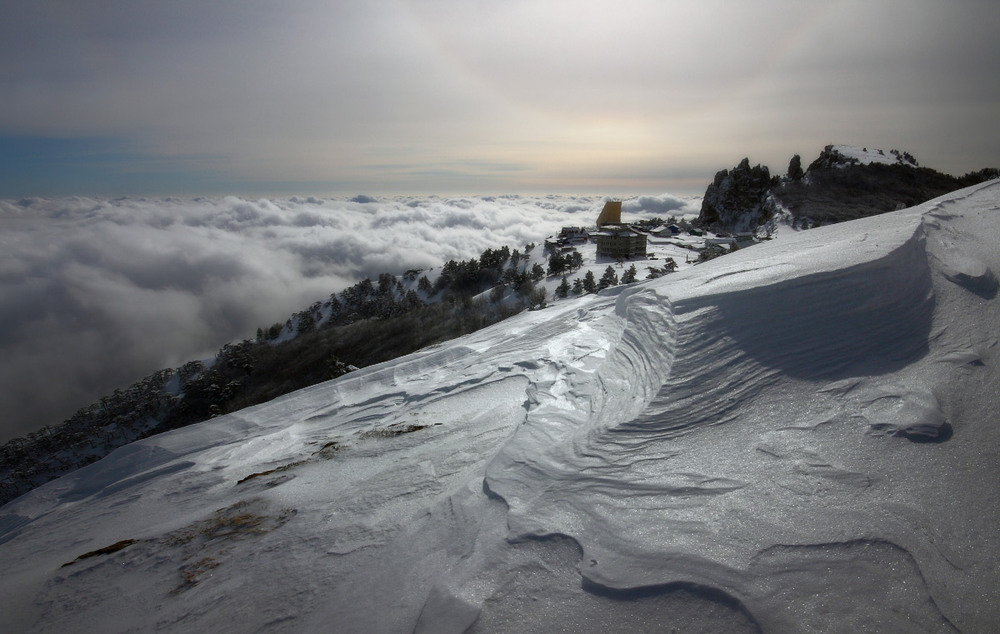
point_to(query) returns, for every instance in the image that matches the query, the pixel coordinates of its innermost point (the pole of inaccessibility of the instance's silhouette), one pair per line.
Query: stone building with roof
(620, 243)
(614, 238)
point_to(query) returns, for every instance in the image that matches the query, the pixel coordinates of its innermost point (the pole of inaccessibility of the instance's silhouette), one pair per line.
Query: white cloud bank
(95, 294)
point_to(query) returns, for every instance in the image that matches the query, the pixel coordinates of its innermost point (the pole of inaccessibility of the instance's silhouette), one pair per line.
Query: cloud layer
(95, 293)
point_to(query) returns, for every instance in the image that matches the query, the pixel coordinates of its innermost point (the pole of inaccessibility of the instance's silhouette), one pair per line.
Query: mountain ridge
(842, 183)
(768, 476)
(748, 198)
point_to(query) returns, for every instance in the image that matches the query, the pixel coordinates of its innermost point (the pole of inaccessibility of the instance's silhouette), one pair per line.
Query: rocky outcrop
(738, 200)
(847, 183)
(834, 156)
(843, 183)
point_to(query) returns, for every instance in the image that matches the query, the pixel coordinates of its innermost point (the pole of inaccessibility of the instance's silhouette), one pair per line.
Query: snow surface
(801, 436)
(866, 156)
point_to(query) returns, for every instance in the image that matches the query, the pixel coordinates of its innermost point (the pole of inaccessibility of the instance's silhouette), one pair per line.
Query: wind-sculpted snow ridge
(801, 436)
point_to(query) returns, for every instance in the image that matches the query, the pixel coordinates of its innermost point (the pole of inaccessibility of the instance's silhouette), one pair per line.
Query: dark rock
(738, 200)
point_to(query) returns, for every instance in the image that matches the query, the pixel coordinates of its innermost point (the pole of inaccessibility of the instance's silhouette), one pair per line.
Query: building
(668, 232)
(615, 239)
(567, 237)
(611, 214)
(719, 241)
(572, 235)
(620, 243)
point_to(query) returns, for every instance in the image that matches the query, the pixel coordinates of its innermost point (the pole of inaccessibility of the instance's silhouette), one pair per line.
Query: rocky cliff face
(843, 183)
(847, 183)
(738, 200)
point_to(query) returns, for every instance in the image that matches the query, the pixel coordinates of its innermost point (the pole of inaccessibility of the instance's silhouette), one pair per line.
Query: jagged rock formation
(847, 183)
(738, 200)
(842, 183)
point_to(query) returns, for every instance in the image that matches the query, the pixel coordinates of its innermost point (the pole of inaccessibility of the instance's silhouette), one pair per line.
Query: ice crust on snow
(801, 436)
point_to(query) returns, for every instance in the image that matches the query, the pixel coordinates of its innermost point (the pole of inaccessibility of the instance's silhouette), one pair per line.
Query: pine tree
(589, 283)
(537, 272)
(537, 298)
(610, 278)
(563, 289)
(557, 264)
(424, 285)
(629, 276)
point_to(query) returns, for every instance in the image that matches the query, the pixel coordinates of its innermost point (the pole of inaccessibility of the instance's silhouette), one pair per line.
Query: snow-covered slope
(844, 155)
(802, 436)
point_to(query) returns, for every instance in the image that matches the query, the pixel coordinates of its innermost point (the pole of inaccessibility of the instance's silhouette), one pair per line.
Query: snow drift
(801, 436)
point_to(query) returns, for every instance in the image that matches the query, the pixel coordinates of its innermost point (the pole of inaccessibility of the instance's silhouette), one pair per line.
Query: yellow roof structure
(612, 213)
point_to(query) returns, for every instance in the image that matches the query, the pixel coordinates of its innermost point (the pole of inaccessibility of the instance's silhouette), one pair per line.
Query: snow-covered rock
(738, 199)
(834, 156)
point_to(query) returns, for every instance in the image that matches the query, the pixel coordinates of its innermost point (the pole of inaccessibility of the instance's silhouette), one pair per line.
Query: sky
(254, 97)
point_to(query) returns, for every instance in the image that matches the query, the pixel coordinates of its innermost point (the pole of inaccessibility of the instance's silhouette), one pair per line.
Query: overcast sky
(113, 97)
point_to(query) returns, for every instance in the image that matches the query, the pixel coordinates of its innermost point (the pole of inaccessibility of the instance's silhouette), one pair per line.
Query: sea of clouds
(95, 294)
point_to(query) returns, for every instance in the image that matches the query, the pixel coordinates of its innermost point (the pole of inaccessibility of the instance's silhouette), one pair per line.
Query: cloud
(664, 204)
(450, 96)
(97, 293)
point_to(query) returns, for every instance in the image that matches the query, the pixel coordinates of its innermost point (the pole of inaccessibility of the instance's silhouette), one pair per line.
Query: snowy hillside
(800, 436)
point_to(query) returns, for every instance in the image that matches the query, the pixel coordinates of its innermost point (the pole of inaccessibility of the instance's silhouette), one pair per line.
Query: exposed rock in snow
(738, 200)
(846, 183)
(912, 414)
